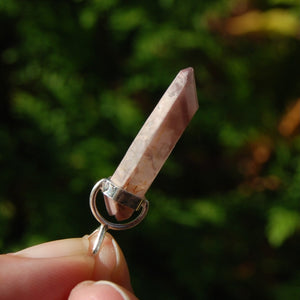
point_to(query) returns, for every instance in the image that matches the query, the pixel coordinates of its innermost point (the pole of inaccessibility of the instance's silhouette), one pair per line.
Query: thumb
(100, 290)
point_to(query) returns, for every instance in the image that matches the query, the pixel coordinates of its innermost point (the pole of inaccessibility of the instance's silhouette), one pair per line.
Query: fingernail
(61, 248)
(112, 290)
(107, 254)
(110, 263)
(117, 251)
(106, 258)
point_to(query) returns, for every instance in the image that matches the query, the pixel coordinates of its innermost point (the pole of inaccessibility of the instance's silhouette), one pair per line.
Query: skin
(66, 269)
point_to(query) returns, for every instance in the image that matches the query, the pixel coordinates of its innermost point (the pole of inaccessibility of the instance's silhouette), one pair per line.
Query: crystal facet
(155, 141)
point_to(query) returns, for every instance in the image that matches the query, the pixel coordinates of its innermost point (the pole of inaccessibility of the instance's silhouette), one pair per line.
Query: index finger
(51, 270)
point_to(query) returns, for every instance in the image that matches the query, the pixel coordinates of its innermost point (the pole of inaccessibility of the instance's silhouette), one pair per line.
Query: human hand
(65, 269)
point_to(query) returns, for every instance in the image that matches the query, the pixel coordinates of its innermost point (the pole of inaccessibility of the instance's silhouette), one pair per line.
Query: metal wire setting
(108, 188)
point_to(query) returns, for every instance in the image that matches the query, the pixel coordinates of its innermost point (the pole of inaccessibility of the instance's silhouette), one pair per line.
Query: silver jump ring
(144, 205)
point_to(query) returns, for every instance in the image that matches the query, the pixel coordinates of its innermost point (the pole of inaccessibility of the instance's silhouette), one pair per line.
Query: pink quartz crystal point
(155, 141)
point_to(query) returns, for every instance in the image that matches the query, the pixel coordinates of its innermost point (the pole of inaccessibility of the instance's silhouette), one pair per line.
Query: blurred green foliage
(77, 80)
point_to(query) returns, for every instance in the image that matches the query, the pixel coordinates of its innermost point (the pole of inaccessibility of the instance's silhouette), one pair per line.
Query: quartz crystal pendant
(155, 141)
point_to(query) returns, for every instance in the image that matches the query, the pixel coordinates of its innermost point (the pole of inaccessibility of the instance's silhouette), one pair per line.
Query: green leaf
(282, 224)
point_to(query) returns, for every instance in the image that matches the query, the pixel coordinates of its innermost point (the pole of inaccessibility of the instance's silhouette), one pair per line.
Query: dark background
(79, 78)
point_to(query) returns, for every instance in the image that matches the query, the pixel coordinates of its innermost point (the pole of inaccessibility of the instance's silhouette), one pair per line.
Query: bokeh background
(78, 79)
